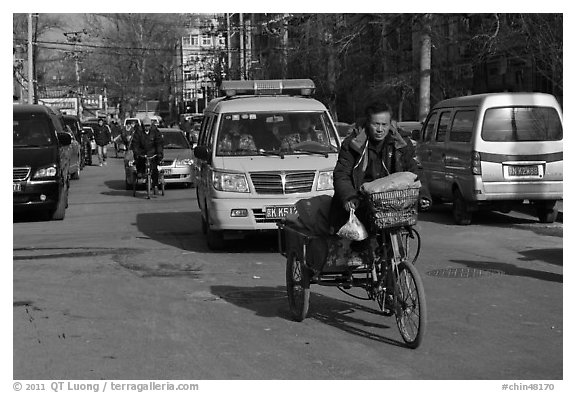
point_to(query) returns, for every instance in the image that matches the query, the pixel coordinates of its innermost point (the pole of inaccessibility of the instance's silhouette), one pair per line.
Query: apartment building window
(206, 40)
(186, 41)
(188, 75)
(194, 40)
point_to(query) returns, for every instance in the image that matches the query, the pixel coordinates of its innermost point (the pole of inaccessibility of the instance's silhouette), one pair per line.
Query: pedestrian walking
(102, 137)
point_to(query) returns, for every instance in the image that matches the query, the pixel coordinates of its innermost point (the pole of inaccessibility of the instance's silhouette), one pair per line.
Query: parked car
(90, 143)
(494, 151)
(253, 163)
(132, 121)
(176, 165)
(75, 159)
(40, 160)
(74, 123)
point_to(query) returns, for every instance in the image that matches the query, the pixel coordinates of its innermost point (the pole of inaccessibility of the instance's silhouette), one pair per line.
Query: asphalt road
(125, 288)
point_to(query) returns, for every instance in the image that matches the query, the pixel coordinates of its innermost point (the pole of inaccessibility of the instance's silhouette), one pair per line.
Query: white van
(252, 163)
(494, 151)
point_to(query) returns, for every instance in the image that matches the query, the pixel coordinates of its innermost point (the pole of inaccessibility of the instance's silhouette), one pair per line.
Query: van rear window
(522, 124)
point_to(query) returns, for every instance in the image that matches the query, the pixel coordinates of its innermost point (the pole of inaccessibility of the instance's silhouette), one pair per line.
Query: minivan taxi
(494, 151)
(262, 147)
(41, 160)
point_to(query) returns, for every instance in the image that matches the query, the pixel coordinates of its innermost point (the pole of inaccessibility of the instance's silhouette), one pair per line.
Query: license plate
(279, 211)
(167, 171)
(523, 170)
(17, 187)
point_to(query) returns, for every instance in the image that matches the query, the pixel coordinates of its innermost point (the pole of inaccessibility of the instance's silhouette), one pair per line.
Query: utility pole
(30, 63)
(228, 44)
(105, 99)
(425, 66)
(242, 50)
(76, 37)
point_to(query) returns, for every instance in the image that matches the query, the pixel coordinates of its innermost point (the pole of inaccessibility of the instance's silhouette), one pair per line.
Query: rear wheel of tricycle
(410, 305)
(460, 211)
(297, 286)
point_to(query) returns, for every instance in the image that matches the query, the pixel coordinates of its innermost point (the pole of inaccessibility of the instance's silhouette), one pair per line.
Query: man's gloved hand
(351, 204)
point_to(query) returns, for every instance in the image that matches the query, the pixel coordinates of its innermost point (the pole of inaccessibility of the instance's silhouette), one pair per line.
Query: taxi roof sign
(304, 87)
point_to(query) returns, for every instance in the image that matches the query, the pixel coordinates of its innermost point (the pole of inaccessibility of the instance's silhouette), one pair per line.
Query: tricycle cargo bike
(387, 272)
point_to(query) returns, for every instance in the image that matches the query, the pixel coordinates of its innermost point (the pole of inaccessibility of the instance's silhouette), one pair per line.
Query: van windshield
(282, 133)
(522, 124)
(32, 131)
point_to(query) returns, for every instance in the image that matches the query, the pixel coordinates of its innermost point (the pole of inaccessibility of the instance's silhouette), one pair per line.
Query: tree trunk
(425, 67)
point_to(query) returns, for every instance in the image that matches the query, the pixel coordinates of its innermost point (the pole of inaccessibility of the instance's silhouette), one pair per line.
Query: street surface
(126, 288)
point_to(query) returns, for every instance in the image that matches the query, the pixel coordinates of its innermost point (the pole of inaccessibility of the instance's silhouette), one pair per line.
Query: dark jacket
(148, 144)
(101, 135)
(396, 156)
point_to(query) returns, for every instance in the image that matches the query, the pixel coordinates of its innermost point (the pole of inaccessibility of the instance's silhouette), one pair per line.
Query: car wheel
(546, 212)
(60, 211)
(76, 174)
(460, 209)
(214, 239)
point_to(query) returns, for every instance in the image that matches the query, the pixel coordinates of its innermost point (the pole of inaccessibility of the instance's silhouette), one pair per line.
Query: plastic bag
(353, 229)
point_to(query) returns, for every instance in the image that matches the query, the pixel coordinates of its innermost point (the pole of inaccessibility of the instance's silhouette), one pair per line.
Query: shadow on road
(31, 216)
(178, 229)
(442, 214)
(271, 302)
(183, 230)
(513, 270)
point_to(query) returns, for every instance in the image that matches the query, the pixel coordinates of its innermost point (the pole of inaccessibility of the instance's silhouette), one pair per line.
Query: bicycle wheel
(297, 286)
(410, 305)
(411, 242)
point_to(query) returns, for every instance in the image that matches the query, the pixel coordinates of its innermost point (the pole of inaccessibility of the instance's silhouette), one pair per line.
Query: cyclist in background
(147, 142)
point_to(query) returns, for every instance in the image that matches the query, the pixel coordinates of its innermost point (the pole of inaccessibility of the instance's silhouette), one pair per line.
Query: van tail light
(476, 163)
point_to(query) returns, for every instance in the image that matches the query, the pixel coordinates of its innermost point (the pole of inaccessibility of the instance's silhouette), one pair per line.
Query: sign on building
(92, 101)
(67, 106)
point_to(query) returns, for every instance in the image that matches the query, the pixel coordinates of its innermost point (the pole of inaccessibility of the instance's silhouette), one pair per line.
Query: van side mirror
(64, 138)
(202, 152)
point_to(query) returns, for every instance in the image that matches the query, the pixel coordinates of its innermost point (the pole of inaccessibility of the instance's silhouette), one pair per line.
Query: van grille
(20, 174)
(282, 182)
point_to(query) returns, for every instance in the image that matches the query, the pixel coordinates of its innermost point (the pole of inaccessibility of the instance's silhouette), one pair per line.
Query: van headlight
(45, 172)
(325, 181)
(231, 182)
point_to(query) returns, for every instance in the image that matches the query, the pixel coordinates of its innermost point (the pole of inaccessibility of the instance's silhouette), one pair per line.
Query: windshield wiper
(310, 152)
(271, 153)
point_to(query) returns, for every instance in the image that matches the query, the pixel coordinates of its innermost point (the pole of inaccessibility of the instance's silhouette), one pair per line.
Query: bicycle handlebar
(147, 157)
